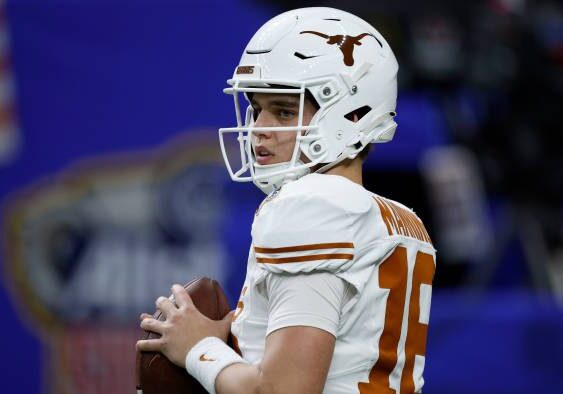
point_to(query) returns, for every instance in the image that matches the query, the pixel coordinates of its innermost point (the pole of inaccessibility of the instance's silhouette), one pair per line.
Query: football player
(337, 292)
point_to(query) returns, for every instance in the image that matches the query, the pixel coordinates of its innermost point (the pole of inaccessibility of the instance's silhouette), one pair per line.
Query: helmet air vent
(257, 51)
(359, 112)
(304, 57)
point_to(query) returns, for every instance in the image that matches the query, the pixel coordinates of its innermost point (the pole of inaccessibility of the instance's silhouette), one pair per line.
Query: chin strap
(376, 129)
(277, 181)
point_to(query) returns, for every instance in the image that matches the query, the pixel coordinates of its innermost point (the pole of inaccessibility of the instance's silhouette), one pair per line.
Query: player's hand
(183, 327)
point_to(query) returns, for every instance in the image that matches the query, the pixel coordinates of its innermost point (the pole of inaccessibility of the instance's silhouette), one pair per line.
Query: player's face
(277, 110)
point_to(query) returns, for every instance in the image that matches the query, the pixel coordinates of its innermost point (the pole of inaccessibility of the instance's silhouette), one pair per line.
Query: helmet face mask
(271, 176)
(343, 63)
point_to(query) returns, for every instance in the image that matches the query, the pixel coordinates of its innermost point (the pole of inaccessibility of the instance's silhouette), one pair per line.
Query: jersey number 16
(393, 275)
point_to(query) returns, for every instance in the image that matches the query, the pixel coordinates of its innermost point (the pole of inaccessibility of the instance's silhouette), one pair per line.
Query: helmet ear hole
(357, 114)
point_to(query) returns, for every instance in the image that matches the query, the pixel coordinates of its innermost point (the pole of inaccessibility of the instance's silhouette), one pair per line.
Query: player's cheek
(288, 150)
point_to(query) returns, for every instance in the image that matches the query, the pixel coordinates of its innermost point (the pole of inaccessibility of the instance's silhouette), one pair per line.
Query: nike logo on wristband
(203, 357)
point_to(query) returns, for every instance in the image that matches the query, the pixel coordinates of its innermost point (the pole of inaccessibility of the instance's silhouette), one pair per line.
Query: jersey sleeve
(311, 300)
(303, 233)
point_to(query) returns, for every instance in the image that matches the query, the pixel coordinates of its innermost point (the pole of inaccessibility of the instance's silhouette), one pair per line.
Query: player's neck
(351, 169)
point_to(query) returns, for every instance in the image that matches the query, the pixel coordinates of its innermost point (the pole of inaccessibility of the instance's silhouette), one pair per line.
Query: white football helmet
(346, 66)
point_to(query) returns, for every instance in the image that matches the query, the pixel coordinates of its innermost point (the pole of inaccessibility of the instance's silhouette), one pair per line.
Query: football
(155, 374)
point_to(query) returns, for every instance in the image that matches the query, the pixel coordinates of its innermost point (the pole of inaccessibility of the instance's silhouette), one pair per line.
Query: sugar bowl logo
(90, 248)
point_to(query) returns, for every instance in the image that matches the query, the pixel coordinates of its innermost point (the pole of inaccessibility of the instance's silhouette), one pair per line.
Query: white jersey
(383, 258)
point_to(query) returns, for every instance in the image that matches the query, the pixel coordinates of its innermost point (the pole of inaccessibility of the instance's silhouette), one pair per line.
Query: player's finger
(144, 316)
(181, 296)
(149, 345)
(165, 305)
(152, 325)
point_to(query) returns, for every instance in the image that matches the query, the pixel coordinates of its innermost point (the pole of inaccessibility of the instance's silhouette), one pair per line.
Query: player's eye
(286, 114)
(255, 113)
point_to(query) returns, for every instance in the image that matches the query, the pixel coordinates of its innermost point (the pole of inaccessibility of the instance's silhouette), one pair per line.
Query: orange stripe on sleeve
(300, 259)
(300, 248)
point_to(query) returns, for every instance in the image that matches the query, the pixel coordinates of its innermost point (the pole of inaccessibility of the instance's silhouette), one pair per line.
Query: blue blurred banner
(500, 342)
(92, 247)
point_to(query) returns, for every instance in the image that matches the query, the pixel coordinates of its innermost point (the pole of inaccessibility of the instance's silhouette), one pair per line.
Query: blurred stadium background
(112, 187)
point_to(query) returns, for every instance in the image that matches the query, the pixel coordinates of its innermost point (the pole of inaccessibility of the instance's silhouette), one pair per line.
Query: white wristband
(209, 357)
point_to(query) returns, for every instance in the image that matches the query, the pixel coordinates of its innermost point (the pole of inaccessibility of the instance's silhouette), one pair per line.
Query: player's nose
(263, 120)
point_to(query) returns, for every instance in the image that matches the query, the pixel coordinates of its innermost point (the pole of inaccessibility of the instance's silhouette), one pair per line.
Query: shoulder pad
(308, 226)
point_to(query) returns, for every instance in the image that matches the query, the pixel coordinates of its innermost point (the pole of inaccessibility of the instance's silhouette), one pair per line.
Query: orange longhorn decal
(345, 43)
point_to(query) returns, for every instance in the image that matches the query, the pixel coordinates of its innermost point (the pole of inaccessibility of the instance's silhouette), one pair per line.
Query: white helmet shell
(344, 63)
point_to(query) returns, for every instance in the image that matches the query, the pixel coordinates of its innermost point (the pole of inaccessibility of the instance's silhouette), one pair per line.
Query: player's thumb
(228, 317)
